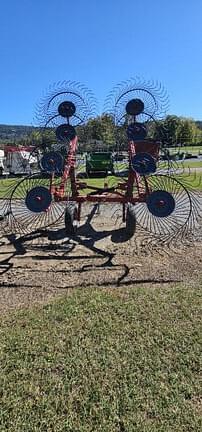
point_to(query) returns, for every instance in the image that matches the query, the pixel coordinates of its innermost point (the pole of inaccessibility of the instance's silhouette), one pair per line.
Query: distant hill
(26, 135)
(14, 133)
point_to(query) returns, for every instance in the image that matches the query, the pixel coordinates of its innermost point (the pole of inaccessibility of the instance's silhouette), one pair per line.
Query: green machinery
(99, 162)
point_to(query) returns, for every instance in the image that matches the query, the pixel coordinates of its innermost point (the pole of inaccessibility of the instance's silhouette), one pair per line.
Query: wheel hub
(38, 199)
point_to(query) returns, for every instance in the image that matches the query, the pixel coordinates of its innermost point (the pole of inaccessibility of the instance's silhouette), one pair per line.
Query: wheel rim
(52, 162)
(167, 208)
(160, 203)
(143, 163)
(32, 205)
(38, 199)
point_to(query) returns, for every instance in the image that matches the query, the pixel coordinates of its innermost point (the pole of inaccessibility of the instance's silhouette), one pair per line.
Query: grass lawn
(103, 360)
(190, 164)
(193, 179)
(7, 185)
(189, 149)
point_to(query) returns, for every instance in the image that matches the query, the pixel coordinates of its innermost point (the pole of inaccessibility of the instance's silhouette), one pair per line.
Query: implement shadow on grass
(100, 284)
(86, 237)
(5, 263)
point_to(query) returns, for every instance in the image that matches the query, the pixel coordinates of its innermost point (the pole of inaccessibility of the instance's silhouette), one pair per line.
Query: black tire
(130, 220)
(70, 219)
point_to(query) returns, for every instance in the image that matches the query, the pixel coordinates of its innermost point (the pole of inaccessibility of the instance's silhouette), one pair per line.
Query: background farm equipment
(99, 162)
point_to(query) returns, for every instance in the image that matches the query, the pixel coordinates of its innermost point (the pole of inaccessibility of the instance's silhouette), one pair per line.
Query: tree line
(102, 132)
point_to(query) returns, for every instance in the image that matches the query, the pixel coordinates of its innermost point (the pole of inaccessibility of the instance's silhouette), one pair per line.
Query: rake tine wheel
(161, 204)
(38, 201)
(167, 207)
(158, 201)
(32, 205)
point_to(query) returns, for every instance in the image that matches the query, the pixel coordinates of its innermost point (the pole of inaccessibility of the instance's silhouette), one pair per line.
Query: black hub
(66, 109)
(135, 107)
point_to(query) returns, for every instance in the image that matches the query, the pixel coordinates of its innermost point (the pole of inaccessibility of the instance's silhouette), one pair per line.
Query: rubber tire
(70, 217)
(130, 220)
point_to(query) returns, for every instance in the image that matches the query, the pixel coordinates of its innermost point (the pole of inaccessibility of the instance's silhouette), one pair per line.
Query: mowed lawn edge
(124, 359)
(192, 179)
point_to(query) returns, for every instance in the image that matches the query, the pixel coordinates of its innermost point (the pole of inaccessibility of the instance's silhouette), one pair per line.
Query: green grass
(101, 360)
(188, 149)
(98, 182)
(6, 182)
(194, 180)
(6, 185)
(183, 164)
(191, 163)
(191, 179)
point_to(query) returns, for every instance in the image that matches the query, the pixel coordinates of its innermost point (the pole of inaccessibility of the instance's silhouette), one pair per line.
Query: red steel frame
(122, 193)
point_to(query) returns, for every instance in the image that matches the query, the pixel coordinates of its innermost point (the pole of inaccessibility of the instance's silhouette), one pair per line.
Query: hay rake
(157, 201)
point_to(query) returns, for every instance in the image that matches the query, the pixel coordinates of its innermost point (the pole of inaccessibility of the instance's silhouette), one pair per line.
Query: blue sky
(99, 43)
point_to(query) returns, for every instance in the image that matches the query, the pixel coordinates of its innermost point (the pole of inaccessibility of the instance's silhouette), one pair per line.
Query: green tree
(176, 130)
(35, 137)
(189, 133)
(107, 130)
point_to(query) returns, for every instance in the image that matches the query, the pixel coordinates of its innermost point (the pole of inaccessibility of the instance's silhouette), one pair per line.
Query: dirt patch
(35, 270)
